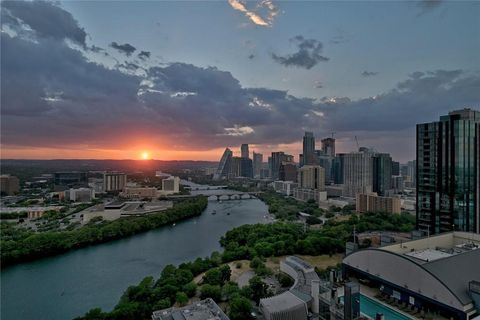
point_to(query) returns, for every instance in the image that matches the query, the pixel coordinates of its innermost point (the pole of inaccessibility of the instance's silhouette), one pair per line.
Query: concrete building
(302, 296)
(139, 192)
(334, 191)
(371, 202)
(311, 177)
(114, 181)
(202, 310)
(171, 185)
(257, 164)
(438, 274)
(9, 185)
(357, 173)
(448, 167)
(288, 171)
(304, 194)
(96, 184)
(245, 153)
(79, 194)
(285, 187)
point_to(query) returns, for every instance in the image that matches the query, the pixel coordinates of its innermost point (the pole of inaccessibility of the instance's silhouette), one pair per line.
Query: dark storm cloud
(125, 48)
(307, 56)
(369, 73)
(53, 96)
(144, 55)
(46, 19)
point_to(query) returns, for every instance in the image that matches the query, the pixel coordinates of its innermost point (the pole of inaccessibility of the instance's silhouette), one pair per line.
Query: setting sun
(145, 156)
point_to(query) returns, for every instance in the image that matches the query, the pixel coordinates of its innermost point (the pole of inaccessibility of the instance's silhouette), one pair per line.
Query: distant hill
(28, 168)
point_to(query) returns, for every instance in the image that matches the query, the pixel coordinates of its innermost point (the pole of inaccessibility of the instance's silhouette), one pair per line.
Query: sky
(185, 79)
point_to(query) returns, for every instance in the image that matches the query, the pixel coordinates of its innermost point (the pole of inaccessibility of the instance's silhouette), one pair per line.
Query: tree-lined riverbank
(22, 245)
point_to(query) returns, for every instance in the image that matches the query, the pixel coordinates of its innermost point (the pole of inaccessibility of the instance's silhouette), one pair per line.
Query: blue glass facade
(448, 173)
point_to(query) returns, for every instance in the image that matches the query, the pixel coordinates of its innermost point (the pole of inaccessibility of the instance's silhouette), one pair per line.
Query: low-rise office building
(139, 192)
(438, 274)
(302, 296)
(370, 202)
(285, 187)
(303, 194)
(202, 310)
(79, 195)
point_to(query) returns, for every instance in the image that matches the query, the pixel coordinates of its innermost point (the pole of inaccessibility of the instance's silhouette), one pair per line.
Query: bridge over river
(221, 195)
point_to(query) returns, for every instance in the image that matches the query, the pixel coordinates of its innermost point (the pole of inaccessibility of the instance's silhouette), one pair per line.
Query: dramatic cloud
(144, 55)
(126, 48)
(54, 97)
(369, 73)
(307, 56)
(45, 18)
(262, 15)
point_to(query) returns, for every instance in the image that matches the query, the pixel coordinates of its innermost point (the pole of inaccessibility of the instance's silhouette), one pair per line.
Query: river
(69, 285)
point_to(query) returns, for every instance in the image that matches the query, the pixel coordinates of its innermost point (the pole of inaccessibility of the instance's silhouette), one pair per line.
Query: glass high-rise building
(224, 165)
(448, 178)
(308, 149)
(244, 151)
(382, 174)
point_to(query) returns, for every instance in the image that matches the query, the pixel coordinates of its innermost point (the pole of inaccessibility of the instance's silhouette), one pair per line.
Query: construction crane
(356, 140)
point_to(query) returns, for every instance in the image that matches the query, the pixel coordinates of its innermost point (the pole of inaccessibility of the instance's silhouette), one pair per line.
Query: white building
(79, 194)
(285, 187)
(171, 185)
(358, 173)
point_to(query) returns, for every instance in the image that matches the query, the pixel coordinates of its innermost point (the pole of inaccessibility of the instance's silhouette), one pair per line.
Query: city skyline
(82, 89)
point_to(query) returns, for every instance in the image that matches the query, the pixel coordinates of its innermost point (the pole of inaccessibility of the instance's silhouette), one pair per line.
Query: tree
(190, 289)
(240, 308)
(211, 291)
(229, 290)
(226, 273)
(259, 288)
(181, 298)
(256, 262)
(284, 280)
(162, 304)
(213, 277)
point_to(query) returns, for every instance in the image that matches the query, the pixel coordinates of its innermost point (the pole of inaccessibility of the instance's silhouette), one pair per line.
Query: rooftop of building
(440, 254)
(436, 247)
(284, 301)
(202, 310)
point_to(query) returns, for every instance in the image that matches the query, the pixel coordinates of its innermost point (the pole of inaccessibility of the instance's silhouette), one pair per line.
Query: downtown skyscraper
(448, 173)
(308, 154)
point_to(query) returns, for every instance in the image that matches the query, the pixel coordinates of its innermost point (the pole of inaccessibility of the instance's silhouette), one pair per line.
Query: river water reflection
(68, 285)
